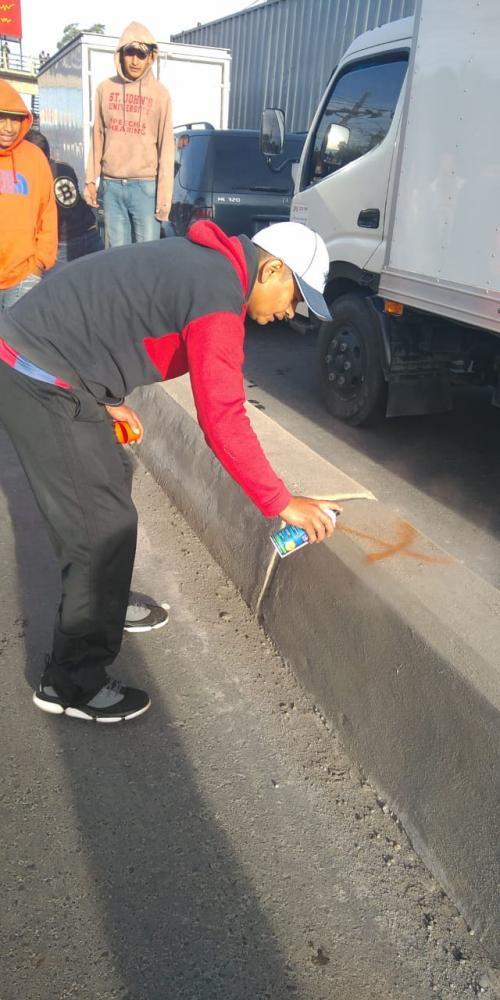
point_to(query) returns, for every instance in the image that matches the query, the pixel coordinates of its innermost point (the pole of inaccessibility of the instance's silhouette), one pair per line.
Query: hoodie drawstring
(13, 168)
(140, 103)
(14, 175)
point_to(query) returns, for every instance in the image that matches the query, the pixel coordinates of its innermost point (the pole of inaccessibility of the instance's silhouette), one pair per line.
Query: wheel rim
(344, 362)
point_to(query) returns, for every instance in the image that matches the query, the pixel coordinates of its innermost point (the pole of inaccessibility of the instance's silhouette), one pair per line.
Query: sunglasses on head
(131, 50)
(12, 116)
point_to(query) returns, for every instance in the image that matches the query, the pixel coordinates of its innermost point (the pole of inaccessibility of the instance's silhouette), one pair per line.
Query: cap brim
(313, 299)
(18, 115)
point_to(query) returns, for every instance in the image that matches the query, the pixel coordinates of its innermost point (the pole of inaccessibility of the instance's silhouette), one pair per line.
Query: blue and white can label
(291, 538)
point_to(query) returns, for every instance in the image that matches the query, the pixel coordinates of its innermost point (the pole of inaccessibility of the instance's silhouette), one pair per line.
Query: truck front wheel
(352, 381)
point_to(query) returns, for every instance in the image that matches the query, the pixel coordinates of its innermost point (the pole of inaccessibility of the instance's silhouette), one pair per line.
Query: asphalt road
(222, 846)
(441, 473)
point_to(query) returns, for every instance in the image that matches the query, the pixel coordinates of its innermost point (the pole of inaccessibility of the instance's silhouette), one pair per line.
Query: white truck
(400, 174)
(197, 76)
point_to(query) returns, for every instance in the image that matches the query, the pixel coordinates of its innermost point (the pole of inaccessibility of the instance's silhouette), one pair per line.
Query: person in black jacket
(73, 348)
(78, 234)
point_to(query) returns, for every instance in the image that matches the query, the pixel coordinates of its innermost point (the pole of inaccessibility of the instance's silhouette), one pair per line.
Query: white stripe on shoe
(48, 706)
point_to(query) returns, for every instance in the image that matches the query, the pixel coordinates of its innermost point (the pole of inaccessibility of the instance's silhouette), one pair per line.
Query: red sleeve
(214, 347)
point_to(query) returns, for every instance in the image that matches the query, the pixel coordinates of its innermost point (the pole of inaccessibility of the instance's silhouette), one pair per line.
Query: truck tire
(352, 380)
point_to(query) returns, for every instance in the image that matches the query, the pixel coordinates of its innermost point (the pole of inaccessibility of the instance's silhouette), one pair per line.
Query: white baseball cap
(305, 253)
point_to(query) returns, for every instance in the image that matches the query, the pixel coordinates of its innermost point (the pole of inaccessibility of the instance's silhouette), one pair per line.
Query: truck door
(347, 162)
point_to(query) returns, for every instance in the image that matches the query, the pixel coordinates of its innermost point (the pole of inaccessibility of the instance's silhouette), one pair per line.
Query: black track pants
(67, 447)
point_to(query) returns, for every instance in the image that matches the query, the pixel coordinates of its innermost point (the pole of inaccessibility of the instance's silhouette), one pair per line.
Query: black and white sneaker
(142, 617)
(113, 703)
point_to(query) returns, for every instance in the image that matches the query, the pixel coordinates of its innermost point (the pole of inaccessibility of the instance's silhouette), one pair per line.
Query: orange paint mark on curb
(401, 547)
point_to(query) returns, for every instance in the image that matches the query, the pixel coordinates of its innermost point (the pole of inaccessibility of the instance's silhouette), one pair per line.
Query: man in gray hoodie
(132, 145)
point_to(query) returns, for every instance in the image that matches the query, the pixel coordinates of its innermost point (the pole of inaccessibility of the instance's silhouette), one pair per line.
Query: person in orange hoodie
(28, 214)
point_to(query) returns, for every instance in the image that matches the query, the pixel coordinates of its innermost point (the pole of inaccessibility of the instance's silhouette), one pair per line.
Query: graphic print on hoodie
(132, 135)
(28, 216)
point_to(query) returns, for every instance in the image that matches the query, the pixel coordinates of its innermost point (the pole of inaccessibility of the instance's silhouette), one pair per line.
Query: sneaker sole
(78, 713)
(144, 628)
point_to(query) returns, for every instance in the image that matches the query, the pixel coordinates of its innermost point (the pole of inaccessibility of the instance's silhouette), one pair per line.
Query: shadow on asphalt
(453, 457)
(146, 859)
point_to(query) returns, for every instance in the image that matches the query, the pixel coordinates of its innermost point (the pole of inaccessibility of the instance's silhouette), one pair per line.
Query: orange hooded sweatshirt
(28, 214)
(132, 135)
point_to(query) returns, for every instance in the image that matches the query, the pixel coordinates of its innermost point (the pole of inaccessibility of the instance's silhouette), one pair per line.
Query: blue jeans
(9, 296)
(129, 212)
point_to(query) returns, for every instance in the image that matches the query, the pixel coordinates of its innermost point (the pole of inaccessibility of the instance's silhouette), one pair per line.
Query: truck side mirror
(272, 131)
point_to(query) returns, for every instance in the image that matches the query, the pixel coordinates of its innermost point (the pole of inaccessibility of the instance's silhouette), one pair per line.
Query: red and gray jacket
(147, 312)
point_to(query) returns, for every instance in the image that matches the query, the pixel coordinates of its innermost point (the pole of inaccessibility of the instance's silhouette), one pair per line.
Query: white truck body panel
(197, 77)
(434, 178)
(443, 251)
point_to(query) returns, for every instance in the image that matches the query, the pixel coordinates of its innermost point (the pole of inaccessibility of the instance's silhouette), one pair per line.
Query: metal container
(284, 51)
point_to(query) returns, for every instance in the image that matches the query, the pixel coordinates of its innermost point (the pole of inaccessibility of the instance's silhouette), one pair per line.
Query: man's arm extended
(215, 353)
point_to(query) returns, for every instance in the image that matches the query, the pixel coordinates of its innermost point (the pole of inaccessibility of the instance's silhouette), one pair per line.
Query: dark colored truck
(222, 175)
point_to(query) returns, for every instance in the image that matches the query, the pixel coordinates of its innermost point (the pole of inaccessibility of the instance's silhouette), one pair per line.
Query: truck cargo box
(443, 243)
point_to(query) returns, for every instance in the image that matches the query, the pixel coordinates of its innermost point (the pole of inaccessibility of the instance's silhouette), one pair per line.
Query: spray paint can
(291, 538)
(124, 433)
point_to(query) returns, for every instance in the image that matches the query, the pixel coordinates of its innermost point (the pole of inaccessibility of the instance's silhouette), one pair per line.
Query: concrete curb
(395, 641)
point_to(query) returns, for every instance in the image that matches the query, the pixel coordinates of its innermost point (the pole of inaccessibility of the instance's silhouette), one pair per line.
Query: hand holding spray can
(290, 538)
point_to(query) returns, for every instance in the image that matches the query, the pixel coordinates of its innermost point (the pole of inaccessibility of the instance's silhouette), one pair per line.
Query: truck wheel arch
(345, 277)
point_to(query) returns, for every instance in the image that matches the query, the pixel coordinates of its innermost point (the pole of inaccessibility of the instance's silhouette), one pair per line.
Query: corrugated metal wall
(285, 50)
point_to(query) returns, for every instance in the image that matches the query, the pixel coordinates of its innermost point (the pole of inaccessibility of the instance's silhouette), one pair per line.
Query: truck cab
(344, 173)
(401, 133)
